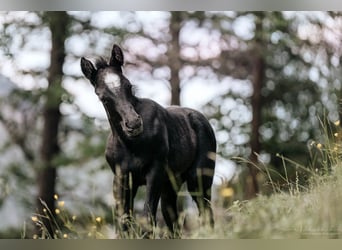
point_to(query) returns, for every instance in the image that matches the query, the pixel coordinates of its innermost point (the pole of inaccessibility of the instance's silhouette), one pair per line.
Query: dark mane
(101, 63)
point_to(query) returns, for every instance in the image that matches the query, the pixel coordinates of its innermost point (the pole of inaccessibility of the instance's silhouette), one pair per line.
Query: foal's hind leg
(169, 208)
(200, 176)
(199, 185)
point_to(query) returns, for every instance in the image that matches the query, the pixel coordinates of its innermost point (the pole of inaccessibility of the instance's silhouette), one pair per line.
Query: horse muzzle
(133, 130)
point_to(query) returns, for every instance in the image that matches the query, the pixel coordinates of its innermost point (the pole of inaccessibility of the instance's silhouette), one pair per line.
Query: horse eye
(130, 88)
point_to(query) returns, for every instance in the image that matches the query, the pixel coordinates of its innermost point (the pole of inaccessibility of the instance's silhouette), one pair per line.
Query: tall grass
(313, 211)
(66, 225)
(91, 226)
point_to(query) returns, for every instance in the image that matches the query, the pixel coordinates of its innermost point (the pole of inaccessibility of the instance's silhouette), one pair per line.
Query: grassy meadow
(310, 211)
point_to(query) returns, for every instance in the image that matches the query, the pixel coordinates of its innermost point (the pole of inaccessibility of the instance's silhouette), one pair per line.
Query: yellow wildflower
(98, 219)
(227, 192)
(319, 145)
(65, 236)
(34, 218)
(57, 211)
(55, 196)
(337, 123)
(61, 203)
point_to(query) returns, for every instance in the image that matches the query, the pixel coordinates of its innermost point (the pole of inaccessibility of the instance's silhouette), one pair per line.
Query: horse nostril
(137, 123)
(129, 126)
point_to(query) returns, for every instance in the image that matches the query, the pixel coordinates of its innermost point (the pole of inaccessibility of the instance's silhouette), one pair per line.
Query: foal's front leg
(124, 190)
(154, 182)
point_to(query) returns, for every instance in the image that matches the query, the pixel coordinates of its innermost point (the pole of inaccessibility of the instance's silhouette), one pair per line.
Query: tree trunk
(258, 71)
(258, 74)
(174, 57)
(58, 22)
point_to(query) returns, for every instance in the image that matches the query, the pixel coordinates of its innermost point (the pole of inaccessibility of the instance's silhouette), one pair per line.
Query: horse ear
(88, 69)
(117, 58)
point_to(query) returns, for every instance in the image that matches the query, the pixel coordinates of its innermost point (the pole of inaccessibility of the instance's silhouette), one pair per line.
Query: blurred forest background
(267, 81)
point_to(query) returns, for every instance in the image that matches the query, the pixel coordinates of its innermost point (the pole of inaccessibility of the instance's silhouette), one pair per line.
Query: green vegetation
(315, 213)
(294, 211)
(297, 211)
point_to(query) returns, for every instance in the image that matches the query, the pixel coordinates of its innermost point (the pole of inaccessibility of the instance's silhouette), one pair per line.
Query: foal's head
(114, 91)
